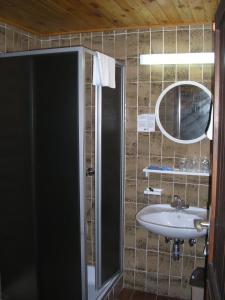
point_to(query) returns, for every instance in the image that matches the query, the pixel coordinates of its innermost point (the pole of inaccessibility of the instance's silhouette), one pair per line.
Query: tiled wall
(13, 39)
(148, 263)
(147, 259)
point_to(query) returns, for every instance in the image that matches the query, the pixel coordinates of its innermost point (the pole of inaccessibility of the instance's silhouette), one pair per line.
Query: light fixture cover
(177, 58)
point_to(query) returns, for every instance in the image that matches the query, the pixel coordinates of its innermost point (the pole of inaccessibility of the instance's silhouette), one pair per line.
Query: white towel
(104, 70)
(209, 132)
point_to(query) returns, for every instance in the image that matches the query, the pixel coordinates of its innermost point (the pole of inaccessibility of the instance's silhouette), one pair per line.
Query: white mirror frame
(187, 82)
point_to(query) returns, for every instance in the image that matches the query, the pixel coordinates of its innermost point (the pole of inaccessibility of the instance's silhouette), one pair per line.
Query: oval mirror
(183, 110)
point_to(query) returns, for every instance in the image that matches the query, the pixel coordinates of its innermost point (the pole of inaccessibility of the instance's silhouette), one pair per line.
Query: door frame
(212, 289)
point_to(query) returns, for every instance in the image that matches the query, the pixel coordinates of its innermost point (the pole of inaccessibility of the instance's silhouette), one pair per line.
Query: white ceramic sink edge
(165, 220)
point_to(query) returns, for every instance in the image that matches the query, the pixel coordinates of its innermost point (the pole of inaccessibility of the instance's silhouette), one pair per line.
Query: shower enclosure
(61, 154)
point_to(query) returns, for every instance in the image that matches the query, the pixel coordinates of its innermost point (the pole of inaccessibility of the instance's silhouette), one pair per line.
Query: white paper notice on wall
(146, 123)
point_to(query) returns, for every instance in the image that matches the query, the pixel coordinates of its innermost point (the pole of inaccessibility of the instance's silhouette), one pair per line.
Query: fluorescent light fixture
(177, 58)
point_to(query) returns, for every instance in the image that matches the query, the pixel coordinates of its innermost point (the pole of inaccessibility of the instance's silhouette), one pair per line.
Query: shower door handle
(90, 172)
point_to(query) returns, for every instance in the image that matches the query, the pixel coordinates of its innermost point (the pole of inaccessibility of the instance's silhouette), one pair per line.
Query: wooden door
(216, 259)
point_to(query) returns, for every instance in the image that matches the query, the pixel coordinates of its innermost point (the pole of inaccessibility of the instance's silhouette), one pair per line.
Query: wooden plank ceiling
(48, 17)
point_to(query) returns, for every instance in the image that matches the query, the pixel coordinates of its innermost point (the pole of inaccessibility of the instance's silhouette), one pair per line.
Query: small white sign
(146, 123)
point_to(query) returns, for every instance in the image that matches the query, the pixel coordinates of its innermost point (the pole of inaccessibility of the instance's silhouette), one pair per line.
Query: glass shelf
(174, 172)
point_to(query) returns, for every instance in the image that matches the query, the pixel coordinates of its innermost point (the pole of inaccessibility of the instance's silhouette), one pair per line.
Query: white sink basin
(170, 222)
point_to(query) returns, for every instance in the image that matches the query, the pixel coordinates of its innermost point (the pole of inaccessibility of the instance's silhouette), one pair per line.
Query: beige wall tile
(196, 72)
(188, 266)
(9, 39)
(132, 44)
(163, 285)
(120, 46)
(34, 43)
(192, 194)
(131, 191)
(164, 247)
(129, 259)
(2, 38)
(200, 262)
(193, 179)
(205, 148)
(131, 94)
(132, 70)
(153, 241)
(141, 238)
(109, 45)
(142, 162)
(156, 73)
(140, 280)
(208, 40)
(131, 118)
(140, 260)
(144, 73)
(167, 192)
(65, 41)
(144, 94)
(130, 213)
(180, 189)
(75, 40)
(196, 41)
(144, 42)
(130, 237)
(176, 267)
(128, 278)
(208, 71)
(175, 287)
(142, 184)
(186, 288)
(169, 73)
(87, 41)
(156, 90)
(155, 143)
(156, 42)
(97, 40)
(131, 167)
(168, 147)
(152, 262)
(170, 41)
(187, 250)
(182, 72)
(151, 285)
(131, 144)
(183, 41)
(164, 263)
(203, 196)
(143, 144)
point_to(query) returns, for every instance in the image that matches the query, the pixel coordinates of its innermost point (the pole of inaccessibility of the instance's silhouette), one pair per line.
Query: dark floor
(129, 294)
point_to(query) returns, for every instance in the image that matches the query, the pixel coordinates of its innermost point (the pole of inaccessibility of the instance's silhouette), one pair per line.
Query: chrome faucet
(178, 203)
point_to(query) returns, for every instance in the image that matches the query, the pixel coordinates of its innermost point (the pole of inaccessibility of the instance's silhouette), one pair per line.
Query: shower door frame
(98, 186)
(82, 161)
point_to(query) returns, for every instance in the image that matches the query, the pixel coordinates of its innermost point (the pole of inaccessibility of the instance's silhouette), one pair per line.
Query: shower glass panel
(40, 156)
(17, 253)
(57, 174)
(111, 178)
